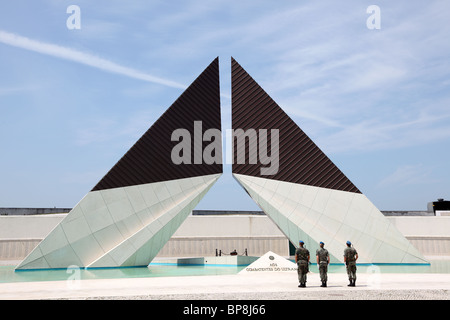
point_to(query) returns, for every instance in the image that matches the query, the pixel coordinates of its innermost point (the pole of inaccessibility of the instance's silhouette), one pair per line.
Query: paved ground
(261, 286)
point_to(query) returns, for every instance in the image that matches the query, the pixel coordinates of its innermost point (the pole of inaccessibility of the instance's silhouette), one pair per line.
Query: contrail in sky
(81, 57)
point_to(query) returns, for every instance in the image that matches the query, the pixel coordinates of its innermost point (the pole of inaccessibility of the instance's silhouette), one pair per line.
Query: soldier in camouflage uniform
(350, 257)
(323, 259)
(302, 260)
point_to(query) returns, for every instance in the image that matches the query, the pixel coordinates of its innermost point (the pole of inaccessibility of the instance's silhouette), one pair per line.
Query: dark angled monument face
(300, 159)
(136, 207)
(150, 159)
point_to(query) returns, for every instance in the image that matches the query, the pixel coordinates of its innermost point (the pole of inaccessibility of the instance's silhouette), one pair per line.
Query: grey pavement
(259, 286)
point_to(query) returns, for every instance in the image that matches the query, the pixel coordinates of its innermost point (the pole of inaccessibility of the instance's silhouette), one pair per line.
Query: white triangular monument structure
(304, 193)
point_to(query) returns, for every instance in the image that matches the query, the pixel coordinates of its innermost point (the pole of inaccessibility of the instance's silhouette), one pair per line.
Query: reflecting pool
(7, 273)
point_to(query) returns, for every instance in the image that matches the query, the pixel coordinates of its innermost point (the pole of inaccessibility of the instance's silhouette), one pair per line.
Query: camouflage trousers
(323, 269)
(351, 270)
(302, 270)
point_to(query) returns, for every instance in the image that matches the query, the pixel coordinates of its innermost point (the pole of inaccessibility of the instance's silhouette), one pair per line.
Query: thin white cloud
(408, 175)
(377, 134)
(127, 129)
(15, 90)
(81, 57)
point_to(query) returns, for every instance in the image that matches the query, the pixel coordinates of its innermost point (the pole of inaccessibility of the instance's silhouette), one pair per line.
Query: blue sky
(72, 102)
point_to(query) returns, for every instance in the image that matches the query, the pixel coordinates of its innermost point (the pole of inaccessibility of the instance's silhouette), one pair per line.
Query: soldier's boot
(354, 282)
(351, 283)
(324, 284)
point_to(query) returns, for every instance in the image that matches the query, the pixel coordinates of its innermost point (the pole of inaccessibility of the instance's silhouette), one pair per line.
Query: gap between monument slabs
(212, 153)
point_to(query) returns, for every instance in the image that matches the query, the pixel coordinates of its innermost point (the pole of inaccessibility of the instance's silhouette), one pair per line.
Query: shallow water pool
(7, 273)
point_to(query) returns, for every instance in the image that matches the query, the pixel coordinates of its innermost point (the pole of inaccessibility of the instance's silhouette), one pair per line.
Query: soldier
(302, 260)
(323, 259)
(350, 257)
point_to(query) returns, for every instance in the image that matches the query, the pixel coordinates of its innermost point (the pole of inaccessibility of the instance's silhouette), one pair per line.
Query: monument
(270, 263)
(136, 207)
